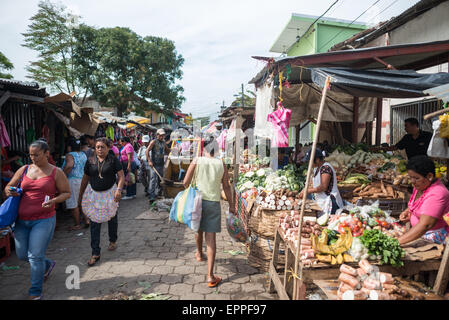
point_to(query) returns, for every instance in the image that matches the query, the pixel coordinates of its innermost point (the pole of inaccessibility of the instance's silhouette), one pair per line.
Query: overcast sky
(216, 38)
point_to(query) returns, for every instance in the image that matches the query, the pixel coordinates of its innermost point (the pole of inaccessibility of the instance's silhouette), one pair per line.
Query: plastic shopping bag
(187, 209)
(438, 147)
(235, 228)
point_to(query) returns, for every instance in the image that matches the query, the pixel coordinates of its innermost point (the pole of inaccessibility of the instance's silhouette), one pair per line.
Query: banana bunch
(333, 253)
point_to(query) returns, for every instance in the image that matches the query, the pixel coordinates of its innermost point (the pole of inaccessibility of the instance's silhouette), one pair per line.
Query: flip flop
(213, 284)
(50, 269)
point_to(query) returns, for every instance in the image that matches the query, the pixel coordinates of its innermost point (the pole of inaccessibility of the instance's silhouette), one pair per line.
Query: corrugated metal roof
(441, 92)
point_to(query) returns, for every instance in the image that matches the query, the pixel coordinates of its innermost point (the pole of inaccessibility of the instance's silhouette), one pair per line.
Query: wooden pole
(309, 172)
(238, 125)
(355, 120)
(379, 121)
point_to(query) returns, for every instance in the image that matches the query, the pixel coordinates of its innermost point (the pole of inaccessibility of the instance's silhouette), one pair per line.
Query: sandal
(112, 246)
(214, 283)
(93, 260)
(75, 228)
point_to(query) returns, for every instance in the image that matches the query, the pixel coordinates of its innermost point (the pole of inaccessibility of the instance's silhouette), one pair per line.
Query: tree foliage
(5, 65)
(115, 66)
(129, 72)
(249, 98)
(51, 34)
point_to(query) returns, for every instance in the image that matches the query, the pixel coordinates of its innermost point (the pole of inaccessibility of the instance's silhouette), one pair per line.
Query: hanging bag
(187, 206)
(438, 147)
(10, 208)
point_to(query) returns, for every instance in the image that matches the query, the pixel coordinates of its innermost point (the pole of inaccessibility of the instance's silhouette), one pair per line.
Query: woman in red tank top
(36, 219)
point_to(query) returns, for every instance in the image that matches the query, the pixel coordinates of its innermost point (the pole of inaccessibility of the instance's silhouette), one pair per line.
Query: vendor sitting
(325, 187)
(428, 204)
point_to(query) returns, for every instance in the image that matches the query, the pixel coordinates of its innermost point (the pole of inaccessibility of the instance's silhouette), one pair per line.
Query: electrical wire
(382, 11)
(349, 24)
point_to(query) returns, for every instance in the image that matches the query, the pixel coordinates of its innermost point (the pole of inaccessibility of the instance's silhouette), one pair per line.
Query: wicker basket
(396, 206)
(261, 252)
(264, 222)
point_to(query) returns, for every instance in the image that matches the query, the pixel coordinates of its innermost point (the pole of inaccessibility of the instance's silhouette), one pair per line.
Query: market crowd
(97, 173)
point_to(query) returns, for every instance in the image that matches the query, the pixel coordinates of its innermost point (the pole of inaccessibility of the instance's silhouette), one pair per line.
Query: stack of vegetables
(253, 179)
(289, 223)
(281, 199)
(364, 283)
(377, 190)
(355, 178)
(290, 177)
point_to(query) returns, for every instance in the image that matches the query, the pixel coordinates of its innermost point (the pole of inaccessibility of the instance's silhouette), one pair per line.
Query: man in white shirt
(144, 174)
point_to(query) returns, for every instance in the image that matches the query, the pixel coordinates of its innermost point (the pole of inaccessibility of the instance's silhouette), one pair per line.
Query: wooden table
(281, 280)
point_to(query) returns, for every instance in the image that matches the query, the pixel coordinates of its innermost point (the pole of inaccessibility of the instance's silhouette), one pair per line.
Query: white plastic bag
(438, 147)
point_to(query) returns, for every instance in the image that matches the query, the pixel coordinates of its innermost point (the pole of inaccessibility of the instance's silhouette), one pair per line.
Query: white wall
(432, 25)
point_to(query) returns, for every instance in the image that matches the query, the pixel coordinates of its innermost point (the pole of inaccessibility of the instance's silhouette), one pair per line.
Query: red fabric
(34, 192)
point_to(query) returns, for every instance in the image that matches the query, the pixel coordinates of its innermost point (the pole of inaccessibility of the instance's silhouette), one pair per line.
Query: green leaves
(5, 65)
(387, 247)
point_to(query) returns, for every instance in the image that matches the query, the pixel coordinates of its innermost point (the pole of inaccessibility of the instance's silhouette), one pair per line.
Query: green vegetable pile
(380, 244)
(351, 149)
(295, 177)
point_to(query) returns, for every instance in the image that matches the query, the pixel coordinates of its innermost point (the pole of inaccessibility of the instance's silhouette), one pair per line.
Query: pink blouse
(434, 202)
(128, 148)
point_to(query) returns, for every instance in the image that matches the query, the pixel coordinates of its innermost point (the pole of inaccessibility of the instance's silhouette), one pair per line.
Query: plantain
(340, 259)
(333, 260)
(347, 258)
(324, 258)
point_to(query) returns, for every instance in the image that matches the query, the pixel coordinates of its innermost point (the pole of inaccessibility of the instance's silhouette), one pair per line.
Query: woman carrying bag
(210, 173)
(43, 186)
(99, 199)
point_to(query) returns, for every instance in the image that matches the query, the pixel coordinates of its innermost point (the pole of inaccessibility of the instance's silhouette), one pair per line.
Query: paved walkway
(153, 256)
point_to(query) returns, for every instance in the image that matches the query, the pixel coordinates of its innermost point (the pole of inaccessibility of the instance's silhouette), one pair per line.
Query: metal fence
(18, 117)
(417, 110)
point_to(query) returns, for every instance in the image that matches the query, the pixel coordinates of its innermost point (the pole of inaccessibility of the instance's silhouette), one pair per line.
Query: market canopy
(377, 83)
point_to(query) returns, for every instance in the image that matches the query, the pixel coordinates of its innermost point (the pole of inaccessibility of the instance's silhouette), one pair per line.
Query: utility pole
(243, 97)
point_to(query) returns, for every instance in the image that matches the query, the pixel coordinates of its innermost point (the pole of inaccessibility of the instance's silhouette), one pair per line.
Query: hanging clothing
(222, 139)
(281, 121)
(4, 137)
(110, 133)
(332, 190)
(264, 108)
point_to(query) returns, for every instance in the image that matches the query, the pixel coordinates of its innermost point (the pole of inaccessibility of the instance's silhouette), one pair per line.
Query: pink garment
(4, 137)
(115, 150)
(222, 139)
(281, 121)
(128, 148)
(433, 202)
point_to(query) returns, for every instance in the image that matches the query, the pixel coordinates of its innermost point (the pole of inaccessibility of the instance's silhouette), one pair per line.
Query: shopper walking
(34, 228)
(158, 148)
(73, 167)
(210, 173)
(100, 198)
(128, 165)
(144, 166)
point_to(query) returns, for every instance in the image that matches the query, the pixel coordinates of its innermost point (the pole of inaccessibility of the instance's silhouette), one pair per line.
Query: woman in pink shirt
(428, 204)
(126, 158)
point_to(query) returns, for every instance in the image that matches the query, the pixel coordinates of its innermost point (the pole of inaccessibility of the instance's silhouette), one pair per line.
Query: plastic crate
(395, 206)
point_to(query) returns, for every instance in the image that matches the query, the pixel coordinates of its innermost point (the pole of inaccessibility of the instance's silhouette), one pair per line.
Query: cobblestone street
(153, 256)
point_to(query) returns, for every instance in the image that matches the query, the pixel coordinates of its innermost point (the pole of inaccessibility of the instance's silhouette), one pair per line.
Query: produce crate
(264, 222)
(395, 206)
